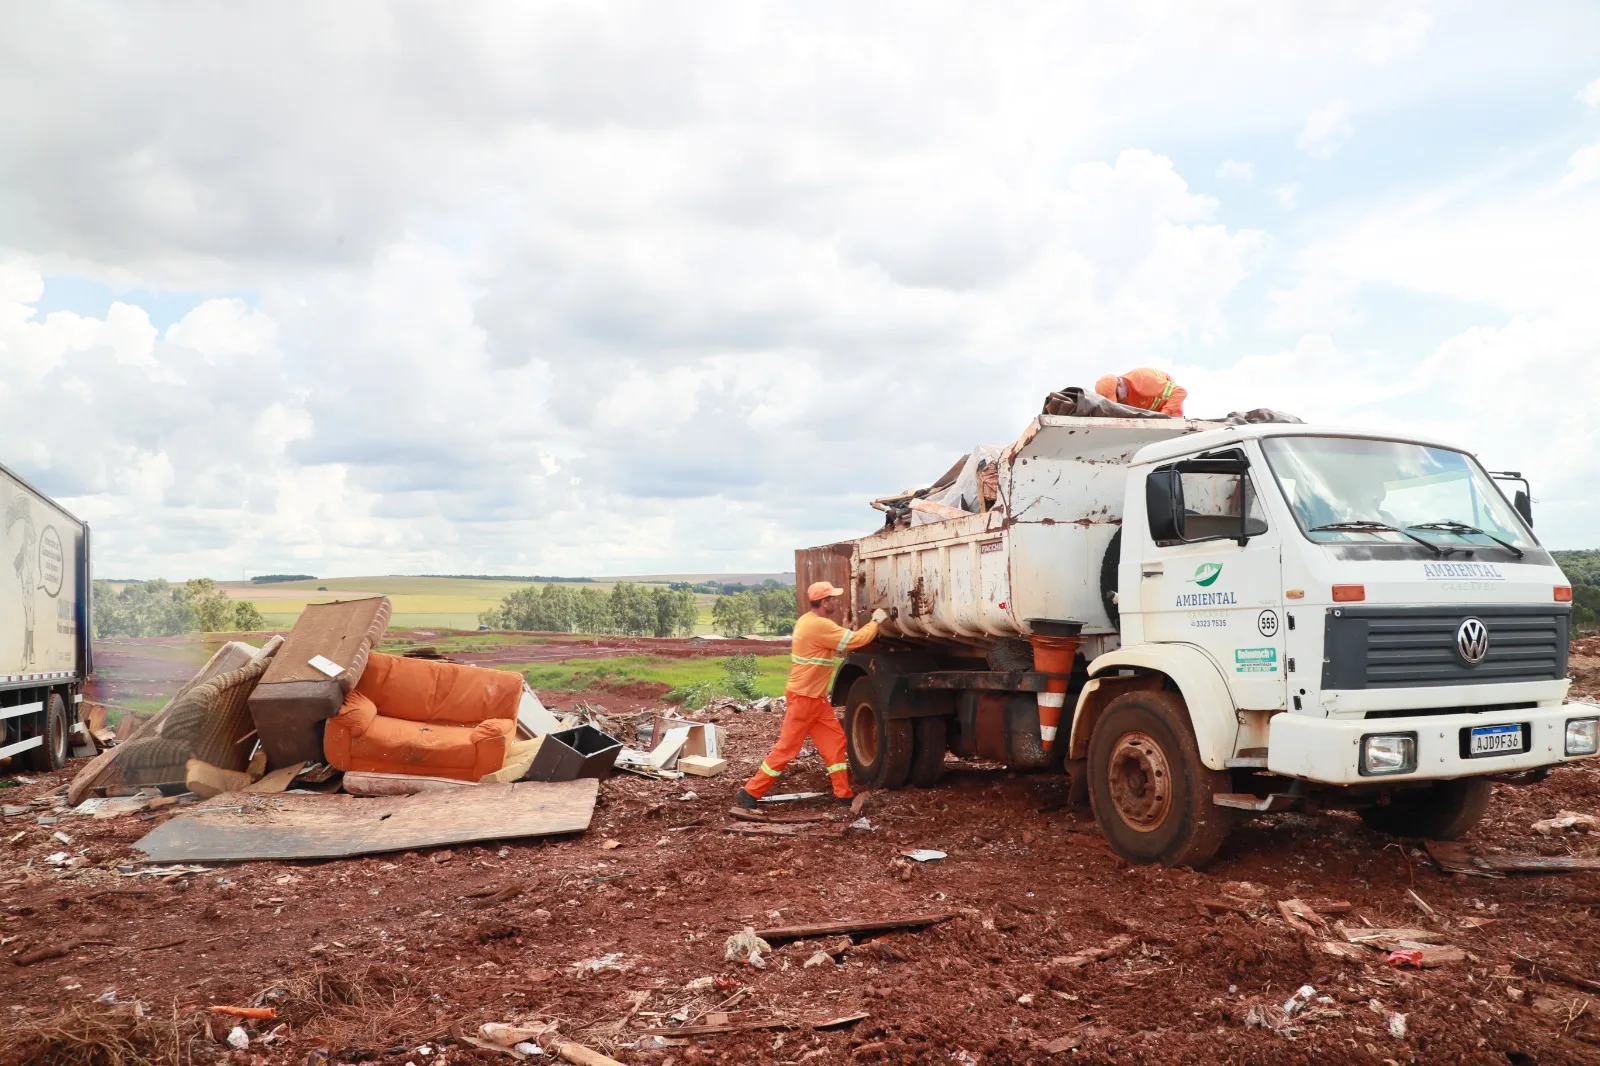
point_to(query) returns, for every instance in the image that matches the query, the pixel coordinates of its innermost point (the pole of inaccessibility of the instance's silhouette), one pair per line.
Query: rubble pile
(984, 921)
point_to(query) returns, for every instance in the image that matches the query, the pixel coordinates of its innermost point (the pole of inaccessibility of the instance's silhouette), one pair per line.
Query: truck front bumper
(1329, 750)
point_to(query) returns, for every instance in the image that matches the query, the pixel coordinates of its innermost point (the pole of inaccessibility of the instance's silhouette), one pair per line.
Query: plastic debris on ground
(745, 946)
(1300, 1000)
(923, 854)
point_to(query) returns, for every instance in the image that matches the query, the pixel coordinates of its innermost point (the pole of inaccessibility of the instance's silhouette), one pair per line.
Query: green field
(576, 675)
(418, 602)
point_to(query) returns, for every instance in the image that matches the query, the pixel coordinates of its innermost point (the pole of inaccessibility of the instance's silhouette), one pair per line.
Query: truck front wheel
(1150, 791)
(880, 747)
(1444, 810)
(52, 755)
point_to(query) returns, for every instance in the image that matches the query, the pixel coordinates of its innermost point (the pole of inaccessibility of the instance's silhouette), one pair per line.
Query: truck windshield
(1348, 489)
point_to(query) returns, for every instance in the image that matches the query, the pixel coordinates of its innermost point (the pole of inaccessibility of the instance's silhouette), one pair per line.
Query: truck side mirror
(1163, 504)
(1523, 504)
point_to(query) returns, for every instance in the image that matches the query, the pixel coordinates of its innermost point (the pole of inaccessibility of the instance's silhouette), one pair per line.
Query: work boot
(745, 800)
(844, 801)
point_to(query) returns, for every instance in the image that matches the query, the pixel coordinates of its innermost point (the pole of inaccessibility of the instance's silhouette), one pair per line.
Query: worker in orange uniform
(819, 641)
(1150, 390)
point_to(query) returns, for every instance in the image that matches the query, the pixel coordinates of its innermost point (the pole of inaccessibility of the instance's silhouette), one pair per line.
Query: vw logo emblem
(1472, 641)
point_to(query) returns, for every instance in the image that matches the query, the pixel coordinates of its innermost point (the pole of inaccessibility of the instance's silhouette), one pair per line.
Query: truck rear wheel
(929, 740)
(880, 747)
(1150, 791)
(53, 754)
(1444, 810)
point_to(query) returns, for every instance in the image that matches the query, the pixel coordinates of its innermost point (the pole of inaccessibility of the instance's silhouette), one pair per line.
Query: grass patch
(577, 675)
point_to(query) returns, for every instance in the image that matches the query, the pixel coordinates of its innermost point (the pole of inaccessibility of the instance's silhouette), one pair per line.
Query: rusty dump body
(972, 581)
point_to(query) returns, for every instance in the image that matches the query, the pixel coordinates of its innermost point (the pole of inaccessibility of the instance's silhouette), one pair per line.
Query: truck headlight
(1388, 753)
(1583, 736)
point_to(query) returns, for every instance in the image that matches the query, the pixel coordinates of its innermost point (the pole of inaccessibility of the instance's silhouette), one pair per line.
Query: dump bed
(44, 588)
(1037, 554)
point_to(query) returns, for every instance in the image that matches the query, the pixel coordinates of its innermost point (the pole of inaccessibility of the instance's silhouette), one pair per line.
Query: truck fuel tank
(1002, 727)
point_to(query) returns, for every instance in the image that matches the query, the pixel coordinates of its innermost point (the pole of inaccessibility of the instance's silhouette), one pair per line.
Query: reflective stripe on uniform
(1166, 393)
(769, 771)
(806, 661)
(843, 641)
(838, 767)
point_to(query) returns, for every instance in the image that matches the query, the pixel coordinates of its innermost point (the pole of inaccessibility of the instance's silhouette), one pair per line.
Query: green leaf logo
(1206, 574)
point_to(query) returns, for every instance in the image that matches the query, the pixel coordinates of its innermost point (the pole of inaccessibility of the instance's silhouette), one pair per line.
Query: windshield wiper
(1362, 525)
(1458, 528)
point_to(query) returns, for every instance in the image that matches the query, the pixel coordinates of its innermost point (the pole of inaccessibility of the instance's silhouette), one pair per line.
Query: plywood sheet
(238, 827)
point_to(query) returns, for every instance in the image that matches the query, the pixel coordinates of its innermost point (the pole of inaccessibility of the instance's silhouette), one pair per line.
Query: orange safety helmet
(1107, 387)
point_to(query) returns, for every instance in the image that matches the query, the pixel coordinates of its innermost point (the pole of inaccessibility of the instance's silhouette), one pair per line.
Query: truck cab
(1380, 627)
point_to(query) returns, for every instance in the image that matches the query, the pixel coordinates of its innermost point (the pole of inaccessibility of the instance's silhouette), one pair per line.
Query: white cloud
(1582, 168)
(1315, 305)
(1233, 170)
(1326, 131)
(539, 288)
(1590, 94)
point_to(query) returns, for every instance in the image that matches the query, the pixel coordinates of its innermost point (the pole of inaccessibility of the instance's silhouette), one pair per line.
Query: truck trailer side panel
(44, 589)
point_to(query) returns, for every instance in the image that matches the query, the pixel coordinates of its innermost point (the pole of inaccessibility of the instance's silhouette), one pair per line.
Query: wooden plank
(778, 819)
(866, 925)
(372, 783)
(244, 827)
(1538, 864)
(761, 830)
(1454, 858)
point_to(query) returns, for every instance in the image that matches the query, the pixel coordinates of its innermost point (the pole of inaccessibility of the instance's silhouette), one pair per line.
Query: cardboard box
(702, 766)
(699, 738)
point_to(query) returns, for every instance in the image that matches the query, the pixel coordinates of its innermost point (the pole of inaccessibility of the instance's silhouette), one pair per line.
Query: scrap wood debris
(1567, 821)
(851, 927)
(1455, 857)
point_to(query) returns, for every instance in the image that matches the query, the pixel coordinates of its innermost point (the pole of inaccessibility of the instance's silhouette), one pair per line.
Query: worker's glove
(880, 616)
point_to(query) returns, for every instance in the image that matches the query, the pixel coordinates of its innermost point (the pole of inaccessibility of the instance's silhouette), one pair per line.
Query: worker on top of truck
(1144, 388)
(819, 641)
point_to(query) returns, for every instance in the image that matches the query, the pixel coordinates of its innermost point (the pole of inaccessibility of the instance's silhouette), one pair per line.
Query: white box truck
(1198, 620)
(46, 650)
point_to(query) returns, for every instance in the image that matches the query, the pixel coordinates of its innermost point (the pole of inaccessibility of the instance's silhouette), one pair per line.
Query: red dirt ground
(1030, 879)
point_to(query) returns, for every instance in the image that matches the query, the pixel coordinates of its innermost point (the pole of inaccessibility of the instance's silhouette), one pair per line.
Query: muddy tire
(880, 748)
(929, 740)
(1108, 579)
(1150, 792)
(1442, 811)
(57, 742)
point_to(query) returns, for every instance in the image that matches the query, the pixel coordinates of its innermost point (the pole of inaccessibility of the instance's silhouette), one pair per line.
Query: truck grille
(1415, 647)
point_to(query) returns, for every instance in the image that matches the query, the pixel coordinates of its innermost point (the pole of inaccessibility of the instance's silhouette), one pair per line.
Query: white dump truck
(1198, 620)
(45, 646)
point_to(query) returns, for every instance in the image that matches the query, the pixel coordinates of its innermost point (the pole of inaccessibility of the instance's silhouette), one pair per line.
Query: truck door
(1210, 572)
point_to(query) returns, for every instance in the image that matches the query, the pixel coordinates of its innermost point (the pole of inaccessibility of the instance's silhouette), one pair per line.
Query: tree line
(627, 610)
(764, 610)
(161, 609)
(640, 611)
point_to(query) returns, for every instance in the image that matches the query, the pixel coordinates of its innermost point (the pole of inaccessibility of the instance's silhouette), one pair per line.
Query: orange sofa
(415, 716)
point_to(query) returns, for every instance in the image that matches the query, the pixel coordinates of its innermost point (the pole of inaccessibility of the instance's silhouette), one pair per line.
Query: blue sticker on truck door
(1255, 660)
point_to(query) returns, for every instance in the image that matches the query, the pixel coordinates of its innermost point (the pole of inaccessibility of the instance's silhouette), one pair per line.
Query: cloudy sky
(609, 288)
